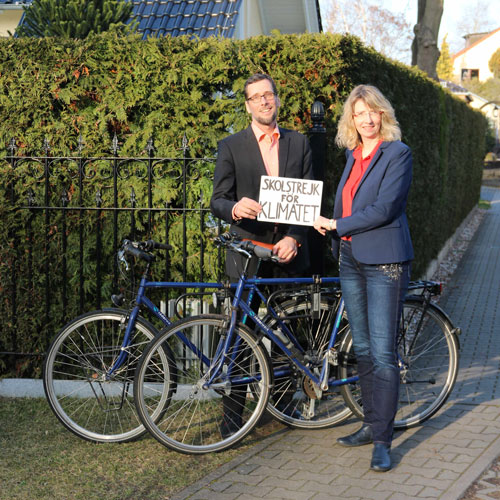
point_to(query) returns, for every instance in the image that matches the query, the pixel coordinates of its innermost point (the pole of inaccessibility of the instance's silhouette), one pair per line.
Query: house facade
(260, 17)
(472, 61)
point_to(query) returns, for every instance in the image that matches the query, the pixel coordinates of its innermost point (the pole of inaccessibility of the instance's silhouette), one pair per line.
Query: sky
(454, 14)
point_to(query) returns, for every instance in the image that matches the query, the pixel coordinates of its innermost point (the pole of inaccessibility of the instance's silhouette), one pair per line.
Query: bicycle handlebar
(236, 243)
(141, 249)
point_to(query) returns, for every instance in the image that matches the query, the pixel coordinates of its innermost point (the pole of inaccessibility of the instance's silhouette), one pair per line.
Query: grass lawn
(40, 459)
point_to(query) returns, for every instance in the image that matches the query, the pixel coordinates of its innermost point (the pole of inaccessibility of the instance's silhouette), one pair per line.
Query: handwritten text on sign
(290, 201)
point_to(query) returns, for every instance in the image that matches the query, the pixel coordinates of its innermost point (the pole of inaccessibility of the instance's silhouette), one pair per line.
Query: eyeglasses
(268, 96)
(365, 114)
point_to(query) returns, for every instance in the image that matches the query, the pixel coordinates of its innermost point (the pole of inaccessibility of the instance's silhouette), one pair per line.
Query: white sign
(290, 201)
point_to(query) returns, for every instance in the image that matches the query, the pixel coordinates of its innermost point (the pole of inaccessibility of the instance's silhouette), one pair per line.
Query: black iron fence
(64, 217)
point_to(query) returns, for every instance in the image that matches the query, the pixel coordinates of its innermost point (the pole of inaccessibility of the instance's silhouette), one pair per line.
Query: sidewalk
(439, 459)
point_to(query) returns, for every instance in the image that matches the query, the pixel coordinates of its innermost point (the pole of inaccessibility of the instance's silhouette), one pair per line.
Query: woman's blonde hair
(347, 135)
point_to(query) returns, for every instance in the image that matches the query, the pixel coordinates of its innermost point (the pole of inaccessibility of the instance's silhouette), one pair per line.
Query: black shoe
(359, 438)
(381, 457)
(228, 428)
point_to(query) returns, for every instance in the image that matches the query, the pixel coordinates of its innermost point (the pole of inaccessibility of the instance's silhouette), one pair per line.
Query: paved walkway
(439, 459)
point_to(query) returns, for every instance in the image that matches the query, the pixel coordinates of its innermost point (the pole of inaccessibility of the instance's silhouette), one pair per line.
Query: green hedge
(60, 90)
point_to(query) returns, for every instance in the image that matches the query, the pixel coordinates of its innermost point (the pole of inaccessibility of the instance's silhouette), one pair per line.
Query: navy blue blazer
(378, 225)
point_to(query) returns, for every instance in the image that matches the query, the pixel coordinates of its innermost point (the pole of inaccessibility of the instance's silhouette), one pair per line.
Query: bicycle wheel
(74, 376)
(206, 384)
(428, 356)
(294, 400)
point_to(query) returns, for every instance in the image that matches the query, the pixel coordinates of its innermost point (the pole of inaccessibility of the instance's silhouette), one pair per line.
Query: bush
(164, 88)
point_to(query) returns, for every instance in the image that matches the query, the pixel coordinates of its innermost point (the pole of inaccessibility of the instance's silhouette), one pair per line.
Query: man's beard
(267, 121)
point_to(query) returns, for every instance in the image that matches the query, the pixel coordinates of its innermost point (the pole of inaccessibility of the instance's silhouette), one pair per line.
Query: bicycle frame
(245, 284)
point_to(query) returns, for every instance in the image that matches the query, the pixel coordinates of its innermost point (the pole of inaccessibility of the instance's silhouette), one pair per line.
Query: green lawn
(40, 459)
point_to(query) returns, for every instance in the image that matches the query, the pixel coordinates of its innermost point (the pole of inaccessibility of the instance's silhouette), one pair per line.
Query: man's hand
(246, 208)
(286, 249)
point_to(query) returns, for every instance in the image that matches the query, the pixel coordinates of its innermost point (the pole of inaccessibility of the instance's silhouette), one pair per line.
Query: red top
(352, 183)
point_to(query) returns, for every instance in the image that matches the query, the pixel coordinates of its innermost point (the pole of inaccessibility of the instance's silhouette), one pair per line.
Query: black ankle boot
(381, 457)
(359, 438)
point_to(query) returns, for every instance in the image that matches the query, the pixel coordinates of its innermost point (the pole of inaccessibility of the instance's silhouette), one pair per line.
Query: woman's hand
(322, 225)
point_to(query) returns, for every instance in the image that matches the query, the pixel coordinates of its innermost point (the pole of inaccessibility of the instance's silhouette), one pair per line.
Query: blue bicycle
(90, 364)
(188, 372)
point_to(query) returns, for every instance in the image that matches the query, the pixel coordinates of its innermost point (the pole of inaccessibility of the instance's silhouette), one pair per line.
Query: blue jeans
(374, 296)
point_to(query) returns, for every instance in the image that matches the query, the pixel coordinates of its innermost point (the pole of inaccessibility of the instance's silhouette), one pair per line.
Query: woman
(371, 234)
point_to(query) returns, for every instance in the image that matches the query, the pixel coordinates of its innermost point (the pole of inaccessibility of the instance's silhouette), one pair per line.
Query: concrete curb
(21, 388)
(481, 464)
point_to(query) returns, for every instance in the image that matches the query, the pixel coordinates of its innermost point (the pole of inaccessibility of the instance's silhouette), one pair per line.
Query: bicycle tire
(293, 400)
(95, 409)
(428, 349)
(194, 420)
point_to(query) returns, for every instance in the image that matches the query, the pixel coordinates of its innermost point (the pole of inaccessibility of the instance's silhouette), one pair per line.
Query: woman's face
(366, 120)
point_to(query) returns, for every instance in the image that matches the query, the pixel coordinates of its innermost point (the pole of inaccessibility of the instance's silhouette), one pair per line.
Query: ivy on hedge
(163, 88)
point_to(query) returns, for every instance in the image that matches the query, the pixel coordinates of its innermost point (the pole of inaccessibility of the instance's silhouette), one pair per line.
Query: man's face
(263, 110)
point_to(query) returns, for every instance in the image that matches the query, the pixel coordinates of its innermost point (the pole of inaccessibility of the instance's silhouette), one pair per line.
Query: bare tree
(386, 32)
(425, 52)
(476, 18)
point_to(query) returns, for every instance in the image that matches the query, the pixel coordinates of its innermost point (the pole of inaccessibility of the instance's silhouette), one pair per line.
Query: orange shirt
(352, 183)
(269, 147)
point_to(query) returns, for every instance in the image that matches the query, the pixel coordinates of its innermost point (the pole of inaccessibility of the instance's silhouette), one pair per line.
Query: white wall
(477, 57)
(259, 17)
(9, 19)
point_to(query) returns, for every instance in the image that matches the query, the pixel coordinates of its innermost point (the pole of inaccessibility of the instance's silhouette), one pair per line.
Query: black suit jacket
(237, 174)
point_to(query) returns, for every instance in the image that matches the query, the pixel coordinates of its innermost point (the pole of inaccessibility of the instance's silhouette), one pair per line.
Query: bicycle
(223, 357)
(89, 366)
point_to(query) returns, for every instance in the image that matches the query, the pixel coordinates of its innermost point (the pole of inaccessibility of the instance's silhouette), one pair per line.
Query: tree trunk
(425, 52)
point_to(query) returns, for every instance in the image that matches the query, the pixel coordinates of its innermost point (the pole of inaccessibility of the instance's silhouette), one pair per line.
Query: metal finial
(12, 146)
(31, 198)
(80, 144)
(317, 116)
(150, 147)
(64, 198)
(185, 145)
(114, 145)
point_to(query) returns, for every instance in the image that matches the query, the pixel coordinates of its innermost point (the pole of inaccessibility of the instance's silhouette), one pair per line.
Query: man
(261, 149)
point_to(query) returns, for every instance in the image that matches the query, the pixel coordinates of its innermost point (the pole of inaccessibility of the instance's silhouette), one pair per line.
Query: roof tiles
(195, 18)
(201, 18)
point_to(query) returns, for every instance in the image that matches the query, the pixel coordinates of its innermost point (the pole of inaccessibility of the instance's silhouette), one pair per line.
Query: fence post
(317, 138)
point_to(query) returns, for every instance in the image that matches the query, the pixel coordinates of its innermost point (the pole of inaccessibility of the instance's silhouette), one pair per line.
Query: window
(469, 74)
